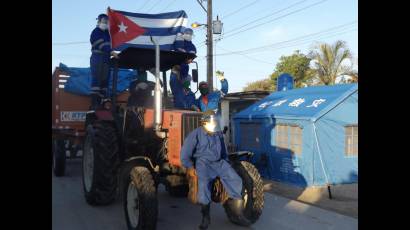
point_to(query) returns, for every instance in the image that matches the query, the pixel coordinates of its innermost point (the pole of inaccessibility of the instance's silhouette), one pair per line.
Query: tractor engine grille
(190, 122)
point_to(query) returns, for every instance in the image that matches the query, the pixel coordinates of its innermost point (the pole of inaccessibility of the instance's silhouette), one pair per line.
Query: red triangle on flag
(122, 29)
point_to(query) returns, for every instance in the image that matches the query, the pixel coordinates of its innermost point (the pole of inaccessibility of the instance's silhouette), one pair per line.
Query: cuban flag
(134, 29)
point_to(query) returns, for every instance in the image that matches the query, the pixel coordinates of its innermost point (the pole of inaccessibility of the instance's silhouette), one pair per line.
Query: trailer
(68, 121)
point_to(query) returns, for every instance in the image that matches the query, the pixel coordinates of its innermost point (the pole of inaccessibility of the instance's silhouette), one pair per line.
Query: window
(351, 140)
(250, 135)
(288, 137)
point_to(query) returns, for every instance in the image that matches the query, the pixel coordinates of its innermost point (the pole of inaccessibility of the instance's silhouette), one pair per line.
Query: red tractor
(131, 148)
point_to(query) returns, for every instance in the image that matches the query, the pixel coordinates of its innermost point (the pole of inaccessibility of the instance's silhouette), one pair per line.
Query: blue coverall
(189, 47)
(207, 154)
(183, 99)
(99, 61)
(213, 98)
(184, 46)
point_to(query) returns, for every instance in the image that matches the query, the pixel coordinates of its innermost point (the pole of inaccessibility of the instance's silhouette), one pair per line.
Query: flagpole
(109, 31)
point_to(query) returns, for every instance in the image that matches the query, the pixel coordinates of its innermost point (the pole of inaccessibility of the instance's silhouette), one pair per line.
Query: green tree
(297, 65)
(328, 61)
(264, 84)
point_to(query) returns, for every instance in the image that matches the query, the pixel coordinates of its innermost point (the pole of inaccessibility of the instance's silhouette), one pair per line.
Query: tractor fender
(237, 156)
(143, 161)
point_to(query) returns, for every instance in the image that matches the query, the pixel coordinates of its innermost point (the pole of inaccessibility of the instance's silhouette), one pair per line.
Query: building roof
(247, 95)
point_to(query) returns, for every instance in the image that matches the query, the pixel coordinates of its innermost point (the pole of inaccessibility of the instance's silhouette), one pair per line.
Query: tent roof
(308, 103)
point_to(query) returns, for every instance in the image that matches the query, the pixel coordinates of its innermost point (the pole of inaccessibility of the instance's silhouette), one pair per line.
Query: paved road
(70, 211)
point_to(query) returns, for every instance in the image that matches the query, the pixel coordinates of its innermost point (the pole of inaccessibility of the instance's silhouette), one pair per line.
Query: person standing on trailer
(99, 61)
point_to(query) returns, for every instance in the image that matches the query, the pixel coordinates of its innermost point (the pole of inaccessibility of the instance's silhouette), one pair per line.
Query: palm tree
(328, 61)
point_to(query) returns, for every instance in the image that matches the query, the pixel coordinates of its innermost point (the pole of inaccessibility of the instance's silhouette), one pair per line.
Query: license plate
(72, 116)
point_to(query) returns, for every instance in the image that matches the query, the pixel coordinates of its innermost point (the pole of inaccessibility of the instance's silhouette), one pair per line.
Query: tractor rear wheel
(100, 163)
(59, 157)
(252, 192)
(140, 200)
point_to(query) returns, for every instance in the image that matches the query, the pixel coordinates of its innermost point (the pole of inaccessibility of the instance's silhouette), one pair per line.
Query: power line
(172, 2)
(305, 42)
(271, 14)
(143, 5)
(264, 17)
(241, 8)
(260, 11)
(297, 38)
(249, 57)
(277, 18)
(296, 43)
(153, 6)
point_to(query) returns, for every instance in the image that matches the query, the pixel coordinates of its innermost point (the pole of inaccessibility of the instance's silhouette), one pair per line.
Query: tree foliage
(297, 65)
(328, 61)
(264, 84)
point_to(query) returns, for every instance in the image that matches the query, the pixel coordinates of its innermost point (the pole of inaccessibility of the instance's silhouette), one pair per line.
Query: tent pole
(321, 161)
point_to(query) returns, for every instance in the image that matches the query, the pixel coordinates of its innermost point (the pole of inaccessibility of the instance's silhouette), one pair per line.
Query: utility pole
(209, 41)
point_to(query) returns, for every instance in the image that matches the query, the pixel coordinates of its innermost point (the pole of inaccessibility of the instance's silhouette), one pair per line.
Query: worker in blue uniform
(183, 43)
(210, 101)
(204, 154)
(184, 98)
(99, 61)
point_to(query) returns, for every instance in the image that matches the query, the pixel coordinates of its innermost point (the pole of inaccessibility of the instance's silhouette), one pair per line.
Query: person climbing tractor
(204, 154)
(99, 61)
(184, 98)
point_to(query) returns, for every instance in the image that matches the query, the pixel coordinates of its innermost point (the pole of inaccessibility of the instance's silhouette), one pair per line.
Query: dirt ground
(344, 197)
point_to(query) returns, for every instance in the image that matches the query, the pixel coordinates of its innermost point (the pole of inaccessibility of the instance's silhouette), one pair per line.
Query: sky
(278, 26)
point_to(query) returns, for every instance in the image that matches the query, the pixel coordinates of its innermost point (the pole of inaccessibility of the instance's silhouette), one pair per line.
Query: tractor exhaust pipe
(157, 95)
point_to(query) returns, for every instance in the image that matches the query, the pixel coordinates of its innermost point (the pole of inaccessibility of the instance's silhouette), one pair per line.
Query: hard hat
(102, 16)
(203, 84)
(188, 31)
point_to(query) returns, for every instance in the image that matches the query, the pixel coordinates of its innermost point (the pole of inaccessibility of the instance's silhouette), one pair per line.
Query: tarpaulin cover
(79, 81)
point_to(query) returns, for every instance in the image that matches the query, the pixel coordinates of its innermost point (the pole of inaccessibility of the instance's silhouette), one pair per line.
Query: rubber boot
(206, 218)
(237, 207)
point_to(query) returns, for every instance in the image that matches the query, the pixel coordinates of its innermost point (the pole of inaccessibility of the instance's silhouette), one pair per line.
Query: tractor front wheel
(140, 200)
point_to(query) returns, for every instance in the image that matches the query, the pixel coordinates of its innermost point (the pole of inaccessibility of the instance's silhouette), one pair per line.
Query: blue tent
(304, 136)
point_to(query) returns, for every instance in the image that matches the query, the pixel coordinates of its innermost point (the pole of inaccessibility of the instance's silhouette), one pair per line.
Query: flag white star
(123, 28)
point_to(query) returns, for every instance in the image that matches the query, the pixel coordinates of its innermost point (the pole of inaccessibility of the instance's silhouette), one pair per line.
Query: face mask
(103, 26)
(187, 37)
(203, 91)
(186, 84)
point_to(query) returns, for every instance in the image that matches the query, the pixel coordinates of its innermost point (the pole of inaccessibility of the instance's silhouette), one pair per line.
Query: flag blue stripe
(162, 47)
(163, 31)
(169, 15)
